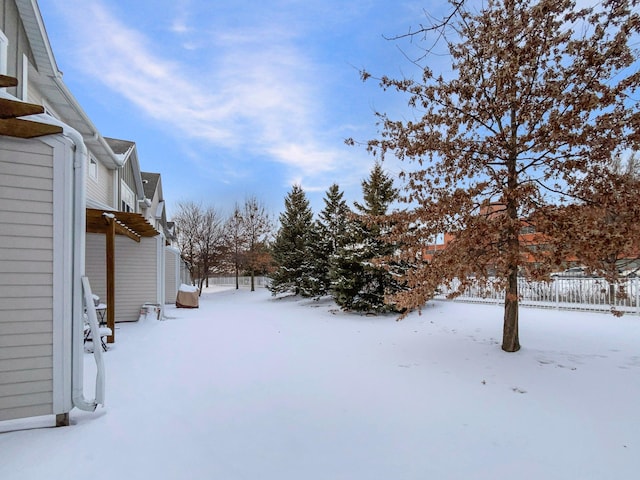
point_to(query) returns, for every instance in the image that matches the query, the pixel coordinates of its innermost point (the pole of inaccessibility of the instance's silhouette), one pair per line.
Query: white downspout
(78, 270)
(80, 283)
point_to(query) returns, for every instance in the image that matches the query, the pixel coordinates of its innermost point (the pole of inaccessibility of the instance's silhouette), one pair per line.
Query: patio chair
(104, 332)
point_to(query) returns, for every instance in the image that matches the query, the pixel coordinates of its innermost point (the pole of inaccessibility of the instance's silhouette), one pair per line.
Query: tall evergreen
(379, 193)
(329, 234)
(290, 250)
(357, 282)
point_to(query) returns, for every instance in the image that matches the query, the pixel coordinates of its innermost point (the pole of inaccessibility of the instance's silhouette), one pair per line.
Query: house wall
(136, 273)
(101, 189)
(26, 278)
(136, 276)
(96, 264)
(172, 274)
(11, 26)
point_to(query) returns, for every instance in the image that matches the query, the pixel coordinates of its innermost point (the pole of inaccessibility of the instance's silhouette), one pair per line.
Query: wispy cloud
(258, 90)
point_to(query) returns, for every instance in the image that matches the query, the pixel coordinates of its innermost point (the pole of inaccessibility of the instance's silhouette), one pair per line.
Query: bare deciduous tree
(235, 240)
(187, 221)
(200, 237)
(257, 227)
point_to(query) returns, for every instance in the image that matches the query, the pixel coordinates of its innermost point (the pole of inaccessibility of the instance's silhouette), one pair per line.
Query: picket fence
(582, 293)
(260, 282)
(565, 293)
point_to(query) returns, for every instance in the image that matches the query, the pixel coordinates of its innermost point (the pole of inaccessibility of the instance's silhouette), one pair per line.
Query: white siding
(172, 275)
(18, 43)
(136, 273)
(136, 276)
(26, 278)
(96, 264)
(101, 190)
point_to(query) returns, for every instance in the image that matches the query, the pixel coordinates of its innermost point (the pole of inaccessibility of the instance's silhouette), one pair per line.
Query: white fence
(261, 282)
(587, 294)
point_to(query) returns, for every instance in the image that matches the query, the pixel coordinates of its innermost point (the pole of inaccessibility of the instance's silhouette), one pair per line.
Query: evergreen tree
(291, 248)
(329, 234)
(358, 283)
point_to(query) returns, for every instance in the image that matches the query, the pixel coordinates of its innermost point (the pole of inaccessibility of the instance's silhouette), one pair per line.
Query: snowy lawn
(252, 387)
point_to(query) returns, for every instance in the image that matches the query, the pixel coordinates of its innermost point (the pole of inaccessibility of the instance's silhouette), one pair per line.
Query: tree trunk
(253, 287)
(510, 339)
(237, 268)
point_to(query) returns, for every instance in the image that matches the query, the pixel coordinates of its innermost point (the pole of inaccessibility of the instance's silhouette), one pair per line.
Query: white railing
(260, 282)
(588, 294)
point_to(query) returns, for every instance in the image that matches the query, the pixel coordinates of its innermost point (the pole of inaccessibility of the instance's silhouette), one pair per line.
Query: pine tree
(358, 282)
(291, 248)
(329, 234)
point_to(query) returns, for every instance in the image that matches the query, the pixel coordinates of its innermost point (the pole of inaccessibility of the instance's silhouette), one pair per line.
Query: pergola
(112, 223)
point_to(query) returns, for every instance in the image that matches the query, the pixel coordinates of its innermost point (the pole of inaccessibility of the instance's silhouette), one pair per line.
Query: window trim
(24, 86)
(4, 53)
(92, 172)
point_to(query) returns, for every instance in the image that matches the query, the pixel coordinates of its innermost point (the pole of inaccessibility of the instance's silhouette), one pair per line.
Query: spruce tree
(358, 283)
(290, 250)
(328, 235)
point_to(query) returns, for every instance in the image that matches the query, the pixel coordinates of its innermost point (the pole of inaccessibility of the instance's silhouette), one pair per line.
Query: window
(4, 45)
(127, 198)
(437, 239)
(93, 168)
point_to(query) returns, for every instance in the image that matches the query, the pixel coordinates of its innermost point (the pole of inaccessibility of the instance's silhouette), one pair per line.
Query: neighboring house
(156, 214)
(43, 157)
(126, 273)
(184, 276)
(534, 245)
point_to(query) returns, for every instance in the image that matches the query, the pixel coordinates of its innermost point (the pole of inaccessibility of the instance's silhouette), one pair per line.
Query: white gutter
(79, 280)
(57, 78)
(145, 201)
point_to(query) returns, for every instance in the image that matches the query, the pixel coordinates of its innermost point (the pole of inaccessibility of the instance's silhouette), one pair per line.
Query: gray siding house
(42, 229)
(137, 271)
(175, 271)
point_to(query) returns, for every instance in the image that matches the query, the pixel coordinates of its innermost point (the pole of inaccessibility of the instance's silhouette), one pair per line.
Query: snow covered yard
(252, 387)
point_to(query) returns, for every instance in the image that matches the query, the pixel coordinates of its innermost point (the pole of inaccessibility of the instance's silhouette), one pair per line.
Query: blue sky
(233, 99)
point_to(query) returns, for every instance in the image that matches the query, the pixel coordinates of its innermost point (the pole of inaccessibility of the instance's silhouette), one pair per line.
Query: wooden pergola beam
(10, 110)
(15, 127)
(13, 108)
(7, 81)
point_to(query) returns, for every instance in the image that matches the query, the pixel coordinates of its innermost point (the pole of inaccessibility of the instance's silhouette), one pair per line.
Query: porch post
(111, 279)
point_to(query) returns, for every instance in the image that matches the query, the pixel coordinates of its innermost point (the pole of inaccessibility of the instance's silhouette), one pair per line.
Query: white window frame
(25, 78)
(4, 51)
(92, 168)
(127, 198)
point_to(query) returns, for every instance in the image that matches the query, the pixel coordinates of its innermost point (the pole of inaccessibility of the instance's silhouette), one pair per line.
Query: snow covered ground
(252, 387)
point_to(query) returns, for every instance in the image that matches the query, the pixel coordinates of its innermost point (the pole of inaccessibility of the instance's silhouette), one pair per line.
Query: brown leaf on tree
(521, 135)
